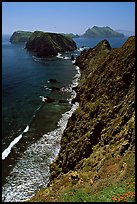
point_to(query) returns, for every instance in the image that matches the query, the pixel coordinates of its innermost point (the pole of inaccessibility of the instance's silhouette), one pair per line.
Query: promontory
(45, 44)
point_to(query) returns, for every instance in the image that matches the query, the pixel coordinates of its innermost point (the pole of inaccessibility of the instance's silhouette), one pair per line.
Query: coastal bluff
(98, 145)
(20, 36)
(45, 44)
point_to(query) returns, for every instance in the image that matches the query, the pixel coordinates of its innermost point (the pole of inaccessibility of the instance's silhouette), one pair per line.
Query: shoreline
(58, 131)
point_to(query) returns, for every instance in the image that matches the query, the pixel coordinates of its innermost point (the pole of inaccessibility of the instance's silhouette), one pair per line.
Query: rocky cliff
(20, 36)
(106, 96)
(49, 44)
(98, 146)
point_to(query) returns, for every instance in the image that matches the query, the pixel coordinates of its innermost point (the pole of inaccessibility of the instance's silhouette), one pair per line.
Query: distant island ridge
(95, 31)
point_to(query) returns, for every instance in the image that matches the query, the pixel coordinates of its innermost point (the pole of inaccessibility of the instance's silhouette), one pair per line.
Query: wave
(59, 55)
(7, 151)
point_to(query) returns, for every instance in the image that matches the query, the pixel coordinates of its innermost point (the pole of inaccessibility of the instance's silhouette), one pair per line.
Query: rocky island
(45, 44)
(96, 31)
(96, 161)
(20, 36)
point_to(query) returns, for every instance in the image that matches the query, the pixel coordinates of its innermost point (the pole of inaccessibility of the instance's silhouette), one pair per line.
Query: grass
(121, 192)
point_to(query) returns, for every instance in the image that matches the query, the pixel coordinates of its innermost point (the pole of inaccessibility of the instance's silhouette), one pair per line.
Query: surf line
(7, 151)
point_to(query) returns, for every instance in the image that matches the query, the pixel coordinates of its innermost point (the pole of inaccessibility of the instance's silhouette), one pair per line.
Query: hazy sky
(67, 17)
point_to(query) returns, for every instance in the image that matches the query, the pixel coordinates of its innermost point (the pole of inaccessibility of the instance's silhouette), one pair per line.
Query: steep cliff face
(48, 44)
(106, 113)
(97, 156)
(20, 36)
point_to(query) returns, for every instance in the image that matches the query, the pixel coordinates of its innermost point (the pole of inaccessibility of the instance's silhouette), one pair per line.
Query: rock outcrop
(45, 44)
(106, 114)
(20, 36)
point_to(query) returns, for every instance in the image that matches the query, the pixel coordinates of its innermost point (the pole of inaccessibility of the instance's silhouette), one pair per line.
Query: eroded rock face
(49, 44)
(106, 113)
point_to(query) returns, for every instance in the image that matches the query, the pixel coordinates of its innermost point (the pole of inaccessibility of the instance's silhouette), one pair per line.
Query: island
(45, 44)
(96, 31)
(20, 36)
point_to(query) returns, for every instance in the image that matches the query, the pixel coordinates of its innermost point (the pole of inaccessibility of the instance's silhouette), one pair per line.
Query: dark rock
(72, 58)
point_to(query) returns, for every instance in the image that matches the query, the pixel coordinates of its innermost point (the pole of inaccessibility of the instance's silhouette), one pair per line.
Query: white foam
(7, 151)
(26, 129)
(82, 48)
(31, 173)
(59, 55)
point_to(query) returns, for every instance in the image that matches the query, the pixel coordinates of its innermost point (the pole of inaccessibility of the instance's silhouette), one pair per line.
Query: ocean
(31, 127)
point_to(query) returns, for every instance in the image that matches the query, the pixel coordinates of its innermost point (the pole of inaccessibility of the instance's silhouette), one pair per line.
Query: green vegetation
(20, 36)
(101, 32)
(124, 191)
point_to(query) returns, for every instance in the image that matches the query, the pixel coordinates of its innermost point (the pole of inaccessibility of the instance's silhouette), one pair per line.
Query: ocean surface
(31, 127)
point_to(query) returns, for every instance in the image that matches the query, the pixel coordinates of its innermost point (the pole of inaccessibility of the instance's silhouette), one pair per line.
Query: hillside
(96, 161)
(45, 44)
(20, 36)
(101, 32)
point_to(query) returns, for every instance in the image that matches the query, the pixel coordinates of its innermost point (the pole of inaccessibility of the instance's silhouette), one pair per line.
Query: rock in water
(49, 44)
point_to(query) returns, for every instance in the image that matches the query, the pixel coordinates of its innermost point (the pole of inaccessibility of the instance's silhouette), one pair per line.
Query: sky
(67, 17)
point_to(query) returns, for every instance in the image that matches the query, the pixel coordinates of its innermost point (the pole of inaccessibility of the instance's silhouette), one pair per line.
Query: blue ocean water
(24, 83)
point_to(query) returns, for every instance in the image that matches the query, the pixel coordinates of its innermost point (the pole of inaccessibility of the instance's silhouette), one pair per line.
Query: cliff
(101, 32)
(49, 44)
(96, 161)
(20, 36)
